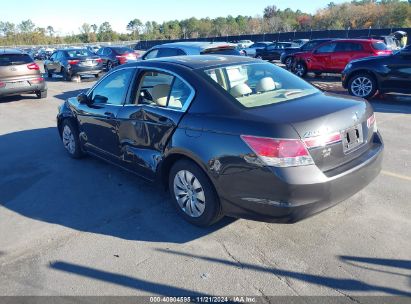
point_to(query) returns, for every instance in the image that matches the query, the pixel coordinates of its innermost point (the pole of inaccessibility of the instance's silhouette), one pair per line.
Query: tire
(66, 75)
(47, 72)
(259, 57)
(41, 94)
(97, 75)
(362, 85)
(109, 65)
(187, 180)
(288, 63)
(300, 69)
(70, 139)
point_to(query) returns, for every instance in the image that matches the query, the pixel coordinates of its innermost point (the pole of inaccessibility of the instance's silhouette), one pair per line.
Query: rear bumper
(294, 194)
(93, 70)
(27, 88)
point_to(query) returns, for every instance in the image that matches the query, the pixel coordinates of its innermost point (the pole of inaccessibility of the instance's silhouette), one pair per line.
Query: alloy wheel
(189, 193)
(288, 62)
(361, 86)
(299, 70)
(68, 140)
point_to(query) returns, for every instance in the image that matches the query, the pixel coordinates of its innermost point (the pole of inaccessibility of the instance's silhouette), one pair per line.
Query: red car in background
(333, 56)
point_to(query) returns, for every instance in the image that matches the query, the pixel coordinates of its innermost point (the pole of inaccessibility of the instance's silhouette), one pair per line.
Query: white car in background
(251, 50)
(244, 43)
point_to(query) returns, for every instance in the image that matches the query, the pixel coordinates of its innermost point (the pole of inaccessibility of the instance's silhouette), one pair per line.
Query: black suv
(73, 62)
(392, 73)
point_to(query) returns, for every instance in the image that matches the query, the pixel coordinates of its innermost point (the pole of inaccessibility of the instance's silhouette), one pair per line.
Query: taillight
(36, 80)
(99, 60)
(322, 140)
(2, 84)
(73, 62)
(121, 58)
(372, 121)
(279, 152)
(33, 66)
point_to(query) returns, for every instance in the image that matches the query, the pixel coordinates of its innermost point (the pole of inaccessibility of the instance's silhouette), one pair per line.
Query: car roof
(8, 51)
(197, 45)
(201, 61)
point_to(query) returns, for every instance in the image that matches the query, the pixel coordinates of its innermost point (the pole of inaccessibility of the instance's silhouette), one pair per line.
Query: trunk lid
(321, 116)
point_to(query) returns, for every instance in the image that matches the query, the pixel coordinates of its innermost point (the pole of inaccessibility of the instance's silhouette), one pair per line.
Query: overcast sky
(67, 16)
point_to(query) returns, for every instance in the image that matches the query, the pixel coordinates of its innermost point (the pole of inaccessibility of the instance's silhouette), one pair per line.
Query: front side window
(259, 84)
(327, 48)
(152, 54)
(112, 89)
(163, 90)
(169, 52)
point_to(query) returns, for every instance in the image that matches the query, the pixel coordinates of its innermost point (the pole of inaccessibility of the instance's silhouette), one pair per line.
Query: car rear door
(343, 54)
(98, 119)
(147, 123)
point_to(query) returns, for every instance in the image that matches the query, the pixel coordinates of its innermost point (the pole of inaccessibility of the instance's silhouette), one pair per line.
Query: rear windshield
(79, 53)
(14, 59)
(122, 51)
(260, 84)
(379, 46)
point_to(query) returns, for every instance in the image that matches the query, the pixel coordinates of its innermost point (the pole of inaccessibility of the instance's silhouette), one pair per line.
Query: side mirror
(83, 98)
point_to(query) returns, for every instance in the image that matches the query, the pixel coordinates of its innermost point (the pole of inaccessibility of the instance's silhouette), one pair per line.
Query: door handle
(109, 114)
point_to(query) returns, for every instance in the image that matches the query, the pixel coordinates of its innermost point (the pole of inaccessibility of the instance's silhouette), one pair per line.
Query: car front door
(98, 118)
(148, 122)
(51, 63)
(398, 77)
(321, 58)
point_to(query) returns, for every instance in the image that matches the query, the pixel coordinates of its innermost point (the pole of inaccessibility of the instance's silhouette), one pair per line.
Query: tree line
(356, 14)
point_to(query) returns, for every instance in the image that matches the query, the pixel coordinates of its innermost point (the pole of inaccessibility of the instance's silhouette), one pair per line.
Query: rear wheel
(109, 65)
(362, 85)
(66, 75)
(41, 94)
(193, 195)
(70, 138)
(300, 69)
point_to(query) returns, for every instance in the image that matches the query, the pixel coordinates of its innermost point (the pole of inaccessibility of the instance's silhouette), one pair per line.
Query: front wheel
(289, 63)
(66, 75)
(109, 65)
(193, 195)
(362, 85)
(300, 69)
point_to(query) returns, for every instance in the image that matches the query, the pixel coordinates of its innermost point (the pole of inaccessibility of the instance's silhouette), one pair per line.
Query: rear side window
(14, 59)
(163, 90)
(169, 52)
(379, 46)
(348, 47)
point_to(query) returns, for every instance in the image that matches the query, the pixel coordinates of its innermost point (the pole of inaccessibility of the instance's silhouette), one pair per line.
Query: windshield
(379, 46)
(260, 84)
(122, 51)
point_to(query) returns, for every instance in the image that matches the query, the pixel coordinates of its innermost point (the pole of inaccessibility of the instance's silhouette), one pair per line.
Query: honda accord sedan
(227, 135)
